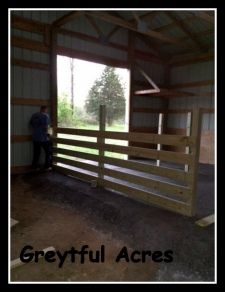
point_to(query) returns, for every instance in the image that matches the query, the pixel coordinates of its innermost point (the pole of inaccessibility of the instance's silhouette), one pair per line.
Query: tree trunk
(72, 84)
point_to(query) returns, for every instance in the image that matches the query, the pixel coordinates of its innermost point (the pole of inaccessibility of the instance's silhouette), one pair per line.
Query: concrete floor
(56, 210)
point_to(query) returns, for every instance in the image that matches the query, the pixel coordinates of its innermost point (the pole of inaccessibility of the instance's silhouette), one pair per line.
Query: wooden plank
(138, 53)
(17, 262)
(78, 164)
(126, 24)
(29, 101)
(170, 188)
(94, 25)
(192, 84)
(170, 111)
(147, 197)
(184, 60)
(13, 222)
(20, 138)
(73, 53)
(134, 165)
(150, 153)
(28, 44)
(73, 153)
(85, 144)
(79, 175)
(29, 64)
(26, 24)
(206, 221)
(20, 169)
(166, 139)
(195, 150)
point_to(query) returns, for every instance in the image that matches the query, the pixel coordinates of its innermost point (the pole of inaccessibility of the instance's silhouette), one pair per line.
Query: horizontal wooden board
(164, 139)
(147, 197)
(135, 151)
(29, 101)
(20, 138)
(29, 64)
(170, 111)
(77, 164)
(157, 185)
(134, 165)
(82, 176)
(73, 53)
(192, 84)
(28, 44)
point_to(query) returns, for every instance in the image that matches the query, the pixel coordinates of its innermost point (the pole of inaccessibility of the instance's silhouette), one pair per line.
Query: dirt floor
(60, 211)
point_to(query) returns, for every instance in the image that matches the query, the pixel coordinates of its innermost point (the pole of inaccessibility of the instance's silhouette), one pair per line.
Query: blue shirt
(39, 123)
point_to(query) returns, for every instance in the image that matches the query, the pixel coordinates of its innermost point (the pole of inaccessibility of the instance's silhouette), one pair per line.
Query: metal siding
(88, 47)
(120, 37)
(27, 83)
(145, 120)
(82, 25)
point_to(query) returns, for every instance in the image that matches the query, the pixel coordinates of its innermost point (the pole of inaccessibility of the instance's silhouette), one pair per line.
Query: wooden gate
(165, 186)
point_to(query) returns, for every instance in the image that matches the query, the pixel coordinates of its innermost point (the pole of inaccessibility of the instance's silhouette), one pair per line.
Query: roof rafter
(66, 18)
(183, 27)
(126, 24)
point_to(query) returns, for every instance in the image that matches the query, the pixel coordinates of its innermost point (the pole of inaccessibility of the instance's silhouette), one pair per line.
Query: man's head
(43, 109)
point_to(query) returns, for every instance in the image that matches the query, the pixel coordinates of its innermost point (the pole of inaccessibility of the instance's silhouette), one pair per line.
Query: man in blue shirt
(40, 122)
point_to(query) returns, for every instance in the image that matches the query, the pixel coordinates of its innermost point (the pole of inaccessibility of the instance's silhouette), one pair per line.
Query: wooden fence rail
(167, 187)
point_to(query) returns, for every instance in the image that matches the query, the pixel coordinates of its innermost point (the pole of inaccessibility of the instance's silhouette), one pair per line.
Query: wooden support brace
(100, 140)
(206, 221)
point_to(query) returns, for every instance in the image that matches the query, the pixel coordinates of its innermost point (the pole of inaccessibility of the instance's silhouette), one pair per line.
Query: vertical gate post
(195, 151)
(101, 140)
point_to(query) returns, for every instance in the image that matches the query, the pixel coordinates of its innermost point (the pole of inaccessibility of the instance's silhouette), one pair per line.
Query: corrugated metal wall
(193, 73)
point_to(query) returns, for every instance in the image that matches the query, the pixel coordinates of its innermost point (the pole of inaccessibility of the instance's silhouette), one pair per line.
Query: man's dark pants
(47, 147)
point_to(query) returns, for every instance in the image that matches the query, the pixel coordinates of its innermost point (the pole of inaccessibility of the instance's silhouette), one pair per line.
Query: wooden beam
(138, 54)
(206, 17)
(26, 24)
(206, 221)
(20, 138)
(66, 18)
(29, 101)
(172, 24)
(192, 84)
(185, 29)
(187, 59)
(53, 76)
(29, 64)
(94, 25)
(112, 32)
(91, 57)
(126, 24)
(25, 43)
(170, 111)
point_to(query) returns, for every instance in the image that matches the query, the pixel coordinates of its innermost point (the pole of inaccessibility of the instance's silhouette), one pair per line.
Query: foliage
(109, 91)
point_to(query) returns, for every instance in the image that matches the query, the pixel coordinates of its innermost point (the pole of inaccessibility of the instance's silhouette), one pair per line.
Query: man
(40, 122)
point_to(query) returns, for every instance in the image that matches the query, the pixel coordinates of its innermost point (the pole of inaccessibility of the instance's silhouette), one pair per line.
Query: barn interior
(160, 195)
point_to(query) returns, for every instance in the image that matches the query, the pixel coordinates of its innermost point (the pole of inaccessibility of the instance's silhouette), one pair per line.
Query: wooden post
(101, 141)
(195, 150)
(188, 133)
(160, 131)
(53, 77)
(130, 59)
